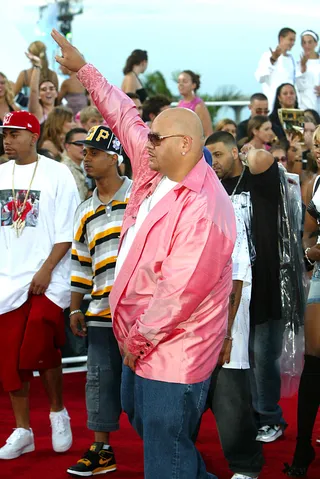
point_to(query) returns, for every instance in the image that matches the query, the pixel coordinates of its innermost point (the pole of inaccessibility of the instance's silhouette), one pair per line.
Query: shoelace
(58, 423)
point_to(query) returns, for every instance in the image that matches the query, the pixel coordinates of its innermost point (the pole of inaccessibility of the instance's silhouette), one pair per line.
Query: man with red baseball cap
(38, 199)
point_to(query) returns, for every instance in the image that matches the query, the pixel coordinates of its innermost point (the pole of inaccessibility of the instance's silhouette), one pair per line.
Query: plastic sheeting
(293, 281)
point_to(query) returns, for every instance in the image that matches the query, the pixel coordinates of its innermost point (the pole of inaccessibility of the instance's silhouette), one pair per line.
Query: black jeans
(230, 400)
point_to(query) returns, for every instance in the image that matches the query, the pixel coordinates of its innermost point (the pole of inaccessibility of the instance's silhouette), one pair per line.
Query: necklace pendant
(18, 226)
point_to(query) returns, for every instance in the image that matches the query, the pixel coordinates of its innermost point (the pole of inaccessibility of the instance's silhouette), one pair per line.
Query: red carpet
(45, 464)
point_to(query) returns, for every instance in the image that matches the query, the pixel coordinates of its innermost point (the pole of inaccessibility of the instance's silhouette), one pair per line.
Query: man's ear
(34, 138)
(235, 153)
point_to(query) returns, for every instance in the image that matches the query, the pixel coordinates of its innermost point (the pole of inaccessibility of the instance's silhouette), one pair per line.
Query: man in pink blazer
(173, 277)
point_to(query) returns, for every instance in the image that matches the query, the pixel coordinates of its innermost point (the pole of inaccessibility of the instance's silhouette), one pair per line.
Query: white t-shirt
(241, 271)
(306, 83)
(272, 76)
(49, 214)
(146, 206)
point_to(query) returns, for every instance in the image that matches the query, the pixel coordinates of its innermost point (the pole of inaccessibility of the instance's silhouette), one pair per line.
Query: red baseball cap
(21, 120)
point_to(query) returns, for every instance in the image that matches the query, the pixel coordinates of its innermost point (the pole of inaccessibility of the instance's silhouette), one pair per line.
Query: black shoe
(303, 457)
(95, 461)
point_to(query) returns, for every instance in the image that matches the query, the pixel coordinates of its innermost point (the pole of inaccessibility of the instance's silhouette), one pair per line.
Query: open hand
(71, 57)
(34, 60)
(275, 54)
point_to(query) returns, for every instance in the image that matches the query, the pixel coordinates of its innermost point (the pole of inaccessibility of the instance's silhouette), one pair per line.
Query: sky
(222, 40)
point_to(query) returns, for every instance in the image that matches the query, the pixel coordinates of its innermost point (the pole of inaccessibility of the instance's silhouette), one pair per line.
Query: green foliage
(155, 83)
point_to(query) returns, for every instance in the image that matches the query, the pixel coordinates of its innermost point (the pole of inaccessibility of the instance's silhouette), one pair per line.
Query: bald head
(181, 145)
(179, 121)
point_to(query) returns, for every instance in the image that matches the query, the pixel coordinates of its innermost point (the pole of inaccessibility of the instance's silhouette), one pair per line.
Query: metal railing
(236, 105)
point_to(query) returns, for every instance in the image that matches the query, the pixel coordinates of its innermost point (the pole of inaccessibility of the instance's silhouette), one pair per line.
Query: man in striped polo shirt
(97, 228)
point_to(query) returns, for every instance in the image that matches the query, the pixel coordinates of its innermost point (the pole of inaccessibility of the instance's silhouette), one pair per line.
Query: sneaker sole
(25, 450)
(87, 474)
(272, 438)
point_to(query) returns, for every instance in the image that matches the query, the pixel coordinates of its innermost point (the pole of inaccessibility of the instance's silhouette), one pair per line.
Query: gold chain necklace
(19, 224)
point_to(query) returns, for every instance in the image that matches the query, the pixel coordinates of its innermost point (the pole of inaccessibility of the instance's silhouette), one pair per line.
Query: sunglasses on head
(156, 139)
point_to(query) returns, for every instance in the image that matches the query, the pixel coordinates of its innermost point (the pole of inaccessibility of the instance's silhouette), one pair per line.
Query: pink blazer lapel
(158, 211)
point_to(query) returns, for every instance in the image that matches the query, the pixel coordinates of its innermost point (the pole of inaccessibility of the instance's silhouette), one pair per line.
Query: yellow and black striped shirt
(97, 229)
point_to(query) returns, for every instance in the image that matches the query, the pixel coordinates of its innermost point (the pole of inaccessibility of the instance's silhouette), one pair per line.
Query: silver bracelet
(229, 338)
(312, 263)
(75, 311)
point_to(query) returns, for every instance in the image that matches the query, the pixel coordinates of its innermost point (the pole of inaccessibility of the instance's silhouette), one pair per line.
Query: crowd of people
(175, 249)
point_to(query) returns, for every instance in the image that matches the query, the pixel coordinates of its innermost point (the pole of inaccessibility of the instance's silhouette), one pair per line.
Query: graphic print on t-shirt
(10, 207)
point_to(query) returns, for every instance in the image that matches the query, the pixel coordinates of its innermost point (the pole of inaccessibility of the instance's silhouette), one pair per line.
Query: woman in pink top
(188, 84)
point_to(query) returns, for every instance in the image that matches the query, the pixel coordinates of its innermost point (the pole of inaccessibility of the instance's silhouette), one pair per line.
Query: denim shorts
(103, 380)
(314, 291)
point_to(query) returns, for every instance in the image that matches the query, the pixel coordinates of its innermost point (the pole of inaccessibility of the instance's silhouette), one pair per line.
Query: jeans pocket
(93, 389)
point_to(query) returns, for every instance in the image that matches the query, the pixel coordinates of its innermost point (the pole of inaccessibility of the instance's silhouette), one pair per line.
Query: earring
(183, 153)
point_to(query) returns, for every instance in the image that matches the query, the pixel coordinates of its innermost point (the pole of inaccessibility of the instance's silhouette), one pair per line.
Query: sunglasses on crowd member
(156, 139)
(281, 159)
(262, 111)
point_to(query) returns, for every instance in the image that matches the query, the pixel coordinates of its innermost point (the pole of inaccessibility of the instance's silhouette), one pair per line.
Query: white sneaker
(61, 431)
(269, 433)
(20, 442)
(243, 476)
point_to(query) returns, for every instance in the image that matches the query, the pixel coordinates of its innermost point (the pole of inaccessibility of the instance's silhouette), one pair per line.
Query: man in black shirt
(257, 188)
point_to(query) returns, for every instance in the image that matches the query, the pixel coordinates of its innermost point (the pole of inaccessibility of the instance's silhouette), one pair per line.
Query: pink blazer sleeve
(120, 113)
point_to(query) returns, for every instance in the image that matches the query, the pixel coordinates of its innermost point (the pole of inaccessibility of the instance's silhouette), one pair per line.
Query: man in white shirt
(229, 395)
(35, 267)
(277, 66)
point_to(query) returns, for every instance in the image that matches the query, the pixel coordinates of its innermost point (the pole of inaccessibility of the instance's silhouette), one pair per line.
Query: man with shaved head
(173, 275)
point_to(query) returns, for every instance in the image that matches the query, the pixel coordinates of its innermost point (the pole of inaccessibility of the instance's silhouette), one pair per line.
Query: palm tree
(155, 83)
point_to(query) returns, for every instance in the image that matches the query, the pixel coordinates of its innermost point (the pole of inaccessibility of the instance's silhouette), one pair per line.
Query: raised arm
(63, 91)
(34, 104)
(265, 69)
(117, 108)
(19, 83)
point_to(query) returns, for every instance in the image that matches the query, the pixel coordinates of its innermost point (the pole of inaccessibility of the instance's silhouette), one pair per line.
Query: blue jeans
(265, 348)
(166, 415)
(103, 380)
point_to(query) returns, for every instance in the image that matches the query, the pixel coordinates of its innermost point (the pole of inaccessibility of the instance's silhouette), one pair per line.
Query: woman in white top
(308, 72)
